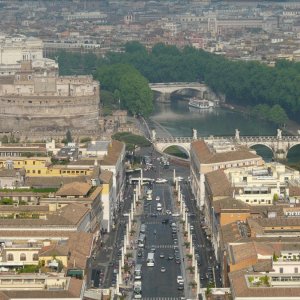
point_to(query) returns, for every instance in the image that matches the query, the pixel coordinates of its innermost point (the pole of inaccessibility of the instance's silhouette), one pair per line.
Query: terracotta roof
(244, 251)
(205, 156)
(230, 205)
(201, 150)
(69, 215)
(240, 288)
(230, 233)
(278, 222)
(54, 250)
(80, 246)
(73, 212)
(8, 172)
(294, 190)
(114, 150)
(264, 265)
(218, 183)
(74, 290)
(83, 162)
(24, 208)
(52, 181)
(74, 189)
(106, 176)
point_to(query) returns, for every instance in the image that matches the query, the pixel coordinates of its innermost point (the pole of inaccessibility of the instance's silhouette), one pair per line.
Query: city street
(159, 237)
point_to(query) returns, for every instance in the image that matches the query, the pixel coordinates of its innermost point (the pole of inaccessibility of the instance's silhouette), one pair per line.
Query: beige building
(206, 158)
(35, 99)
(262, 185)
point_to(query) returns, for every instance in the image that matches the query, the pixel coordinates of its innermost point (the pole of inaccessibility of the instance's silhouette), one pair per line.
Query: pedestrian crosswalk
(164, 246)
(161, 298)
(153, 222)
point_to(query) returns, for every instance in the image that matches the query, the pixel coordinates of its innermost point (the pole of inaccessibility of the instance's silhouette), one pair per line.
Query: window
(10, 257)
(39, 171)
(35, 256)
(22, 257)
(280, 270)
(296, 270)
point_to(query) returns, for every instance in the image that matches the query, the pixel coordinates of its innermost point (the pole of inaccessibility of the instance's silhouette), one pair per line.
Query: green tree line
(243, 83)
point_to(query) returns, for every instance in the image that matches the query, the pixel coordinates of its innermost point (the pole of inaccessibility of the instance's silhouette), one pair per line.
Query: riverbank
(291, 127)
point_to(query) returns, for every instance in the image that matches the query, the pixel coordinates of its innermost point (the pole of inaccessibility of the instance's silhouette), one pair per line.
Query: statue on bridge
(153, 132)
(237, 134)
(195, 134)
(279, 134)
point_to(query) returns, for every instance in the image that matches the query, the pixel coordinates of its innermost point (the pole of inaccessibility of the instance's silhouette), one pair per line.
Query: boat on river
(201, 103)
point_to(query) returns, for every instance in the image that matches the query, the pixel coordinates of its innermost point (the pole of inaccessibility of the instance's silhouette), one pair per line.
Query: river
(179, 119)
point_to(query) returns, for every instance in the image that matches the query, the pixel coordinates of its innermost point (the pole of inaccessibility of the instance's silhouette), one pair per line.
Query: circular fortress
(33, 101)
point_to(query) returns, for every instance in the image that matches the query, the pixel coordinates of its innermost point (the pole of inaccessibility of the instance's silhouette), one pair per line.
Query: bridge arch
(265, 151)
(184, 148)
(291, 154)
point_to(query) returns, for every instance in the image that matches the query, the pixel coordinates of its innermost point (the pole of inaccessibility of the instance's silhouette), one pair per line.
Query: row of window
(260, 201)
(287, 278)
(10, 257)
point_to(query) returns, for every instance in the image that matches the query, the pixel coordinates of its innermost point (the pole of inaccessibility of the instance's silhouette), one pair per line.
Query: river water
(179, 119)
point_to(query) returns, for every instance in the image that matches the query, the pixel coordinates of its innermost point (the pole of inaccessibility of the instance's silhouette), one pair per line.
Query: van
(143, 228)
(138, 272)
(158, 207)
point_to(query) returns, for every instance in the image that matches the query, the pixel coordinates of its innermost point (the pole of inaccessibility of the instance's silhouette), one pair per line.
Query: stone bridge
(278, 144)
(166, 89)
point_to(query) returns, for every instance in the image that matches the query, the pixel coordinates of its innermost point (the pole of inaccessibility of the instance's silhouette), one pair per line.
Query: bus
(150, 260)
(143, 228)
(141, 240)
(138, 272)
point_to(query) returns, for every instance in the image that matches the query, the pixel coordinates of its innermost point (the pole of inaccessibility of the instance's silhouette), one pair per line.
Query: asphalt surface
(155, 284)
(207, 265)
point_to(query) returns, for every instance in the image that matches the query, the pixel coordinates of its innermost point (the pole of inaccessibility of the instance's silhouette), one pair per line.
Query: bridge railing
(230, 138)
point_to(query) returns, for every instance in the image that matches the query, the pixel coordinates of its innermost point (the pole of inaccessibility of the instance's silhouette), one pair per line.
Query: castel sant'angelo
(35, 101)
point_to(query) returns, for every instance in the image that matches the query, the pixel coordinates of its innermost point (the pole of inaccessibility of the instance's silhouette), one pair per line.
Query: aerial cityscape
(149, 149)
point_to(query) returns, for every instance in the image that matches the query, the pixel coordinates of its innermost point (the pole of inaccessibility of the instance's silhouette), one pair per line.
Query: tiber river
(179, 119)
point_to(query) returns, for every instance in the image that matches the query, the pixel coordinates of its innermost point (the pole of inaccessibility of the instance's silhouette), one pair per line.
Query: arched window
(22, 257)
(35, 256)
(10, 257)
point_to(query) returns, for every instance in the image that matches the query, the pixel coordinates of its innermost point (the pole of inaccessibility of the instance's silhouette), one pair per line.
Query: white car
(179, 178)
(168, 212)
(157, 198)
(180, 279)
(176, 215)
(161, 180)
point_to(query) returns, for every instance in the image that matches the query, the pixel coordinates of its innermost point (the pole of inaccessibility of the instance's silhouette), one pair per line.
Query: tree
(126, 83)
(69, 138)
(4, 139)
(278, 115)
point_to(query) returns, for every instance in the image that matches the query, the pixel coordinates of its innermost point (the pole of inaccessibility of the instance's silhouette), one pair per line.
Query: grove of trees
(126, 75)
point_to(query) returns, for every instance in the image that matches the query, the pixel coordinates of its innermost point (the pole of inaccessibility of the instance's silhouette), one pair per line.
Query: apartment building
(262, 185)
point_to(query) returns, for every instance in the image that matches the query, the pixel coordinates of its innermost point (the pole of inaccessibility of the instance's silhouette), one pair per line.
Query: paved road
(156, 283)
(209, 272)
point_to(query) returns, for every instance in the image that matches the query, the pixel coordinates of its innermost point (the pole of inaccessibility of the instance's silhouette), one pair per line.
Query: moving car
(163, 269)
(157, 198)
(161, 180)
(180, 279)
